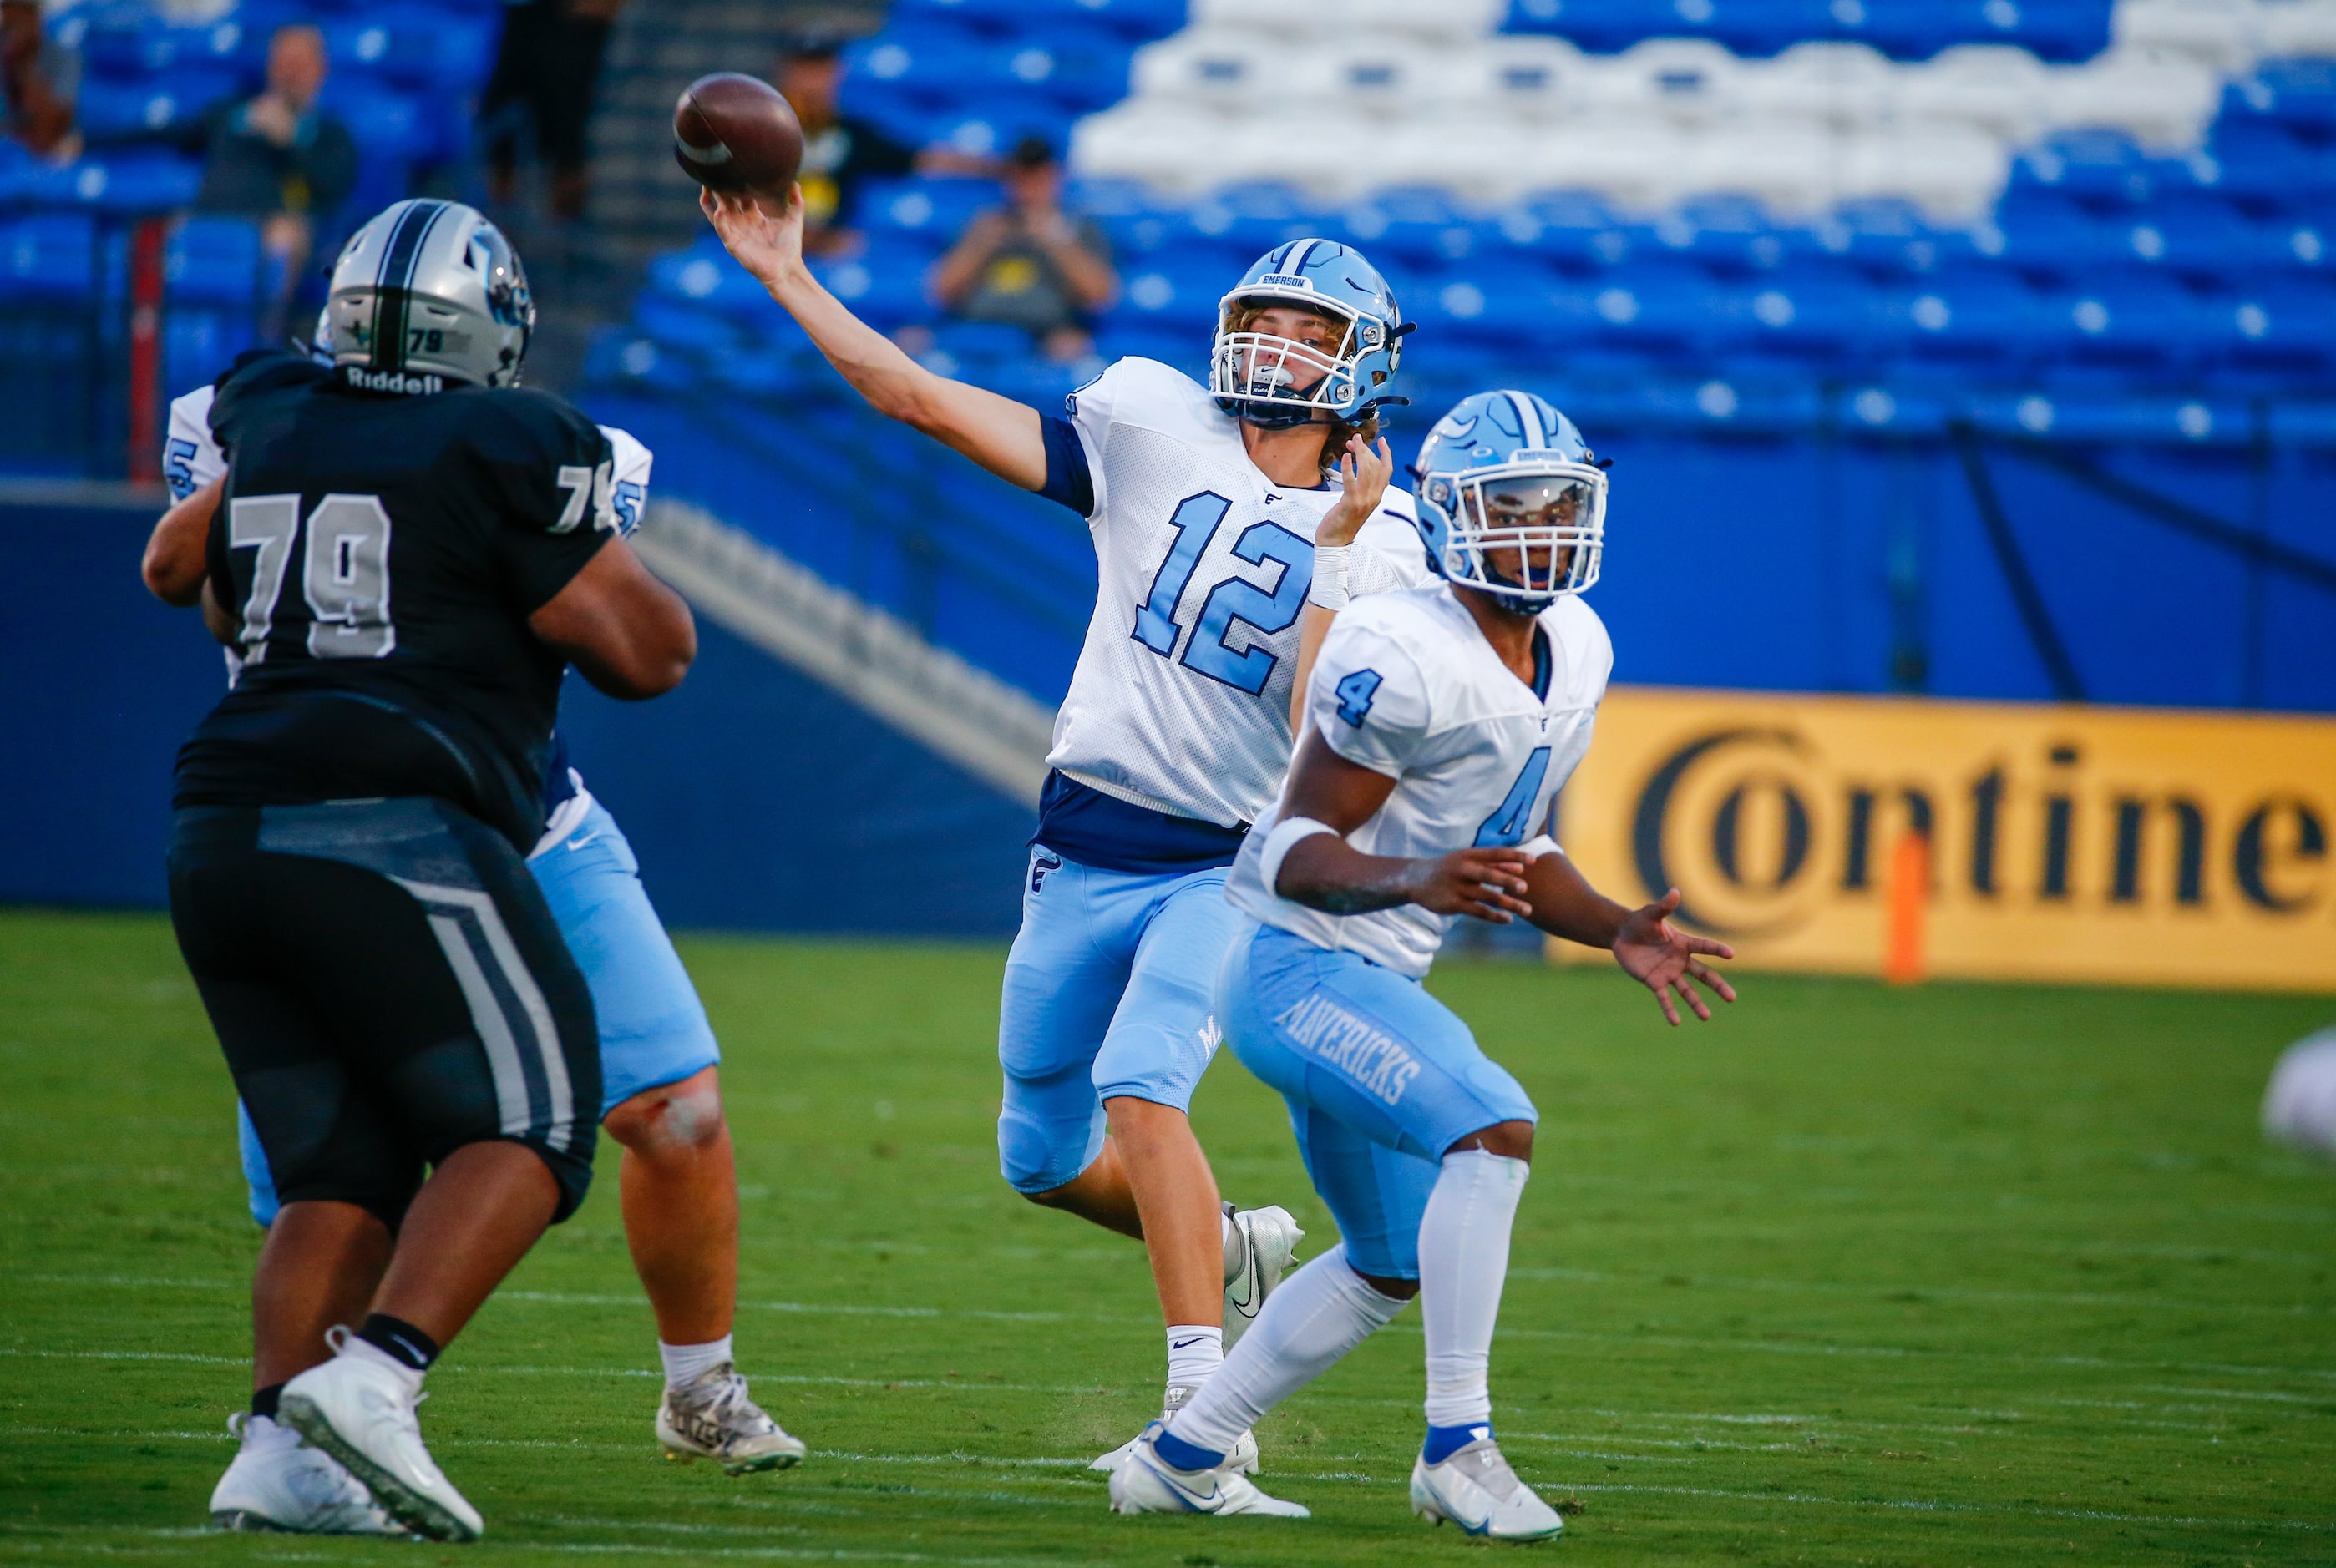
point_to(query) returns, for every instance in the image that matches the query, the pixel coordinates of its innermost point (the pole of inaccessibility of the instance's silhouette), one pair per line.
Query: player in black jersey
(408, 553)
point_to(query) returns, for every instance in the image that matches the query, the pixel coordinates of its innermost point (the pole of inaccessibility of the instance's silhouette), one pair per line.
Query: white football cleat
(1242, 1457)
(276, 1483)
(1476, 1489)
(711, 1418)
(1259, 1247)
(360, 1412)
(1148, 1483)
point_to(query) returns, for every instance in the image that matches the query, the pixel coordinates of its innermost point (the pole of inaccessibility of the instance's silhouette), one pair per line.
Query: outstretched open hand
(767, 244)
(1666, 960)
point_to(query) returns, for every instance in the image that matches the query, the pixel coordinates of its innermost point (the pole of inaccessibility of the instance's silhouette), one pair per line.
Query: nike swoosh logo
(1188, 1344)
(590, 837)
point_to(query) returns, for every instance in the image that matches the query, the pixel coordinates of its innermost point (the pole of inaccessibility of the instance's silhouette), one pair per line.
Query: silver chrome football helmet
(427, 293)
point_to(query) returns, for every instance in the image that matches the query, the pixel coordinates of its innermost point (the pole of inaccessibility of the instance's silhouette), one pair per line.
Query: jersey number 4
(1513, 816)
(344, 574)
(1198, 519)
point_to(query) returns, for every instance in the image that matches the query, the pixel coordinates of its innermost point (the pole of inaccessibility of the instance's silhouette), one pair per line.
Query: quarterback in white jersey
(661, 1093)
(1442, 721)
(1206, 507)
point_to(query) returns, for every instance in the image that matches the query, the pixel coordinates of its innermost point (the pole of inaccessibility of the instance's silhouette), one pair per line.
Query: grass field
(1955, 1275)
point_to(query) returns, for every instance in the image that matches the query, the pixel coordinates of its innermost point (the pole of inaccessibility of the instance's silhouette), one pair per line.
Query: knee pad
(1037, 1154)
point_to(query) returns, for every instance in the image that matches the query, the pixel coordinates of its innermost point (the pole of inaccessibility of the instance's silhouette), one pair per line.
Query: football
(733, 132)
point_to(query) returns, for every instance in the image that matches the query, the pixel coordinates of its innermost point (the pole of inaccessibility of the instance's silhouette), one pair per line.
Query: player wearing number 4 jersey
(1205, 506)
(1441, 722)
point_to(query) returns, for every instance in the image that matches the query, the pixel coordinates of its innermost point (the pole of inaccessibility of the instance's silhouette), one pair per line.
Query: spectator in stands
(1029, 263)
(278, 157)
(547, 72)
(40, 114)
(841, 150)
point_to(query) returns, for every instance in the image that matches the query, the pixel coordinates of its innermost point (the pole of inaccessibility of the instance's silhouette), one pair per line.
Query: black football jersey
(381, 554)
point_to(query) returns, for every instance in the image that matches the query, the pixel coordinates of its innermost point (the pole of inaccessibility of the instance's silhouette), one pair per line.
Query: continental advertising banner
(1992, 840)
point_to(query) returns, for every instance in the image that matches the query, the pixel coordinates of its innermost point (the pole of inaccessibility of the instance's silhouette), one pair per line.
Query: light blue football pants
(1381, 1078)
(1108, 993)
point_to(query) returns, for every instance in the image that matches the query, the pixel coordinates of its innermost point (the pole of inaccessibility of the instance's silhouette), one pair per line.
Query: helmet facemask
(1276, 383)
(1526, 533)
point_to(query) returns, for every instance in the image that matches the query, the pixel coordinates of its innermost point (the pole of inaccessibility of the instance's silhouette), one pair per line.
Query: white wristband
(1329, 586)
(1535, 848)
(1278, 843)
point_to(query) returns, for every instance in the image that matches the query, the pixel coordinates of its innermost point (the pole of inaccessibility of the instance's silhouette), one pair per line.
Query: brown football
(735, 132)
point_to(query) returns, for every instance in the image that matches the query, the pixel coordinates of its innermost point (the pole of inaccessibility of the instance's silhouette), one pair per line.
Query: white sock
(366, 1351)
(683, 1362)
(1320, 1314)
(1463, 1259)
(1195, 1351)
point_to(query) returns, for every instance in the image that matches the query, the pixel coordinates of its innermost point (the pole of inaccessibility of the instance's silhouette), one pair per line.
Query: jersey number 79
(344, 574)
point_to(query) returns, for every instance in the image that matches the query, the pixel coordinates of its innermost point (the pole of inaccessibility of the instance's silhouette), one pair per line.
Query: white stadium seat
(1995, 87)
(1692, 80)
(1232, 71)
(1789, 165)
(2289, 28)
(1642, 164)
(1842, 84)
(1480, 157)
(1363, 77)
(2164, 101)
(1953, 171)
(2223, 34)
(1166, 145)
(1529, 78)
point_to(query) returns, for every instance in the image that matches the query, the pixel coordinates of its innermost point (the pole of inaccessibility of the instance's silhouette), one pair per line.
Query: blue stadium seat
(1732, 233)
(167, 104)
(1251, 216)
(2264, 162)
(887, 292)
(2103, 166)
(197, 344)
(930, 213)
(1177, 292)
(130, 41)
(49, 256)
(1813, 311)
(2282, 323)
(387, 124)
(686, 326)
(1417, 227)
(1572, 227)
(2297, 95)
(1969, 316)
(216, 260)
(2046, 235)
(2204, 235)
(1134, 20)
(2129, 317)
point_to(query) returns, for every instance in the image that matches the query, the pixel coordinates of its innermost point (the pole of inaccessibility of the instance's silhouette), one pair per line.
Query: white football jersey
(1407, 686)
(191, 457)
(1180, 699)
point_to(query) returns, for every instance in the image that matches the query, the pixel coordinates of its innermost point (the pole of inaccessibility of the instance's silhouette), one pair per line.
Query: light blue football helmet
(1274, 383)
(1505, 469)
